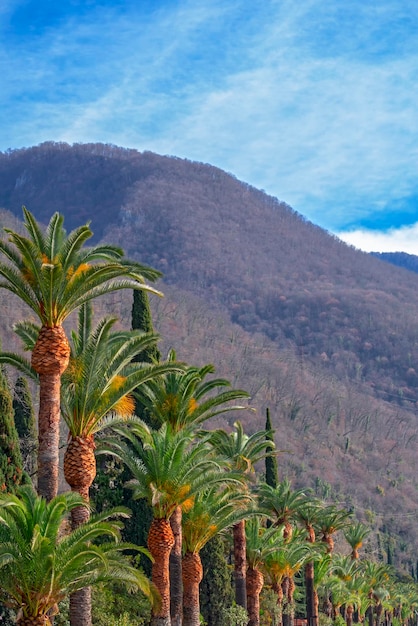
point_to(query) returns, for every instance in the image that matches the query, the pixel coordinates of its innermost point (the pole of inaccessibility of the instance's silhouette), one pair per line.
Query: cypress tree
(11, 467)
(216, 590)
(272, 474)
(25, 422)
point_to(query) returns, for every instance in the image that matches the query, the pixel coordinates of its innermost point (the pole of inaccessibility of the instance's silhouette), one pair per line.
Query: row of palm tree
(197, 482)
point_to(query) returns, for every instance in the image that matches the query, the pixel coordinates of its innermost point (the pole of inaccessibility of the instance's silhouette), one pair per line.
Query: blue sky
(313, 101)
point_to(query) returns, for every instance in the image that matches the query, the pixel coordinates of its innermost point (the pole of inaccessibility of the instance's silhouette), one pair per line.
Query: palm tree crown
(41, 564)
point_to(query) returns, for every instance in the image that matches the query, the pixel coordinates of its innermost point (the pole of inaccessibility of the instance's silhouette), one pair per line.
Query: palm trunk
(349, 615)
(240, 563)
(255, 582)
(277, 588)
(176, 587)
(291, 601)
(80, 472)
(286, 608)
(48, 435)
(80, 607)
(160, 542)
(50, 358)
(192, 576)
(311, 612)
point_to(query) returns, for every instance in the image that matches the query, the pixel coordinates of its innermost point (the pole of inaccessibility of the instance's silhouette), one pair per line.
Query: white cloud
(403, 239)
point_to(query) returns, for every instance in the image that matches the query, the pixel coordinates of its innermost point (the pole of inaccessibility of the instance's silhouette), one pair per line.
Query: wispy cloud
(312, 101)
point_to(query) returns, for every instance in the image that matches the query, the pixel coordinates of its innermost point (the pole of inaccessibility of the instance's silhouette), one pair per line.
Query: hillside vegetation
(324, 335)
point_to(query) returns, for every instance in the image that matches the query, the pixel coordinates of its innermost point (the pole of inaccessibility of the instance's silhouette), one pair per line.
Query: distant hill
(401, 259)
(324, 335)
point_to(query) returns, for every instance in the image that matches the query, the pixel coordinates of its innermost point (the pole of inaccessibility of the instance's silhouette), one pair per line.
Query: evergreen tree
(11, 467)
(271, 460)
(25, 422)
(216, 590)
(11, 472)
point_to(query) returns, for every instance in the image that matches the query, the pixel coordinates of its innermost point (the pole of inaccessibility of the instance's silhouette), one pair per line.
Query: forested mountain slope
(323, 334)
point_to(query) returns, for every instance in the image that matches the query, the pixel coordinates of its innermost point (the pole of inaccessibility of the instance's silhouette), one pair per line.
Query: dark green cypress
(272, 473)
(216, 591)
(25, 422)
(11, 466)
(142, 320)
(11, 469)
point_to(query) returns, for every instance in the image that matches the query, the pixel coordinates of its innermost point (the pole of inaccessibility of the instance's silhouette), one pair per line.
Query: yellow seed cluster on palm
(51, 352)
(192, 406)
(83, 267)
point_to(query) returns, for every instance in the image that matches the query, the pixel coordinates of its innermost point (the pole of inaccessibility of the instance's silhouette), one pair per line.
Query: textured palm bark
(285, 589)
(349, 615)
(80, 607)
(176, 586)
(311, 606)
(277, 588)
(160, 542)
(255, 582)
(311, 613)
(50, 359)
(240, 563)
(291, 601)
(80, 472)
(192, 576)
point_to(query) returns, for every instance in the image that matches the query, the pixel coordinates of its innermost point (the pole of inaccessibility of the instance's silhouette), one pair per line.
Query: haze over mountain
(324, 335)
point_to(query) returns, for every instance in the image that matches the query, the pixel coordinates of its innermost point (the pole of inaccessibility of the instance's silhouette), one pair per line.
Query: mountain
(401, 259)
(324, 335)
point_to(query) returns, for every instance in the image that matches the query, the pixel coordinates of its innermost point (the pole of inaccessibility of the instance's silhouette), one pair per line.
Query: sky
(313, 101)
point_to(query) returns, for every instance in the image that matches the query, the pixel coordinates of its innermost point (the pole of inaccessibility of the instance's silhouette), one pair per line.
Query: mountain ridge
(324, 335)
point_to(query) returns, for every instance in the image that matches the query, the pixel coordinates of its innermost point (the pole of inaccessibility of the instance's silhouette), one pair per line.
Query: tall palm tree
(168, 469)
(261, 542)
(185, 399)
(288, 557)
(309, 514)
(281, 504)
(241, 452)
(53, 274)
(332, 520)
(355, 534)
(96, 393)
(213, 511)
(40, 564)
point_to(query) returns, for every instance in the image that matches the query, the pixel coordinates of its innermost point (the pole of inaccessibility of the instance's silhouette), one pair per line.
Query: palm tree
(309, 514)
(331, 520)
(346, 585)
(261, 543)
(281, 504)
(185, 399)
(376, 577)
(96, 393)
(168, 469)
(41, 564)
(213, 511)
(241, 452)
(53, 274)
(288, 557)
(355, 534)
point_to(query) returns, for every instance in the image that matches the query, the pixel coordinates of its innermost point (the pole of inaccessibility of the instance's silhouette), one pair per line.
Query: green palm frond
(40, 564)
(168, 469)
(54, 273)
(184, 397)
(241, 451)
